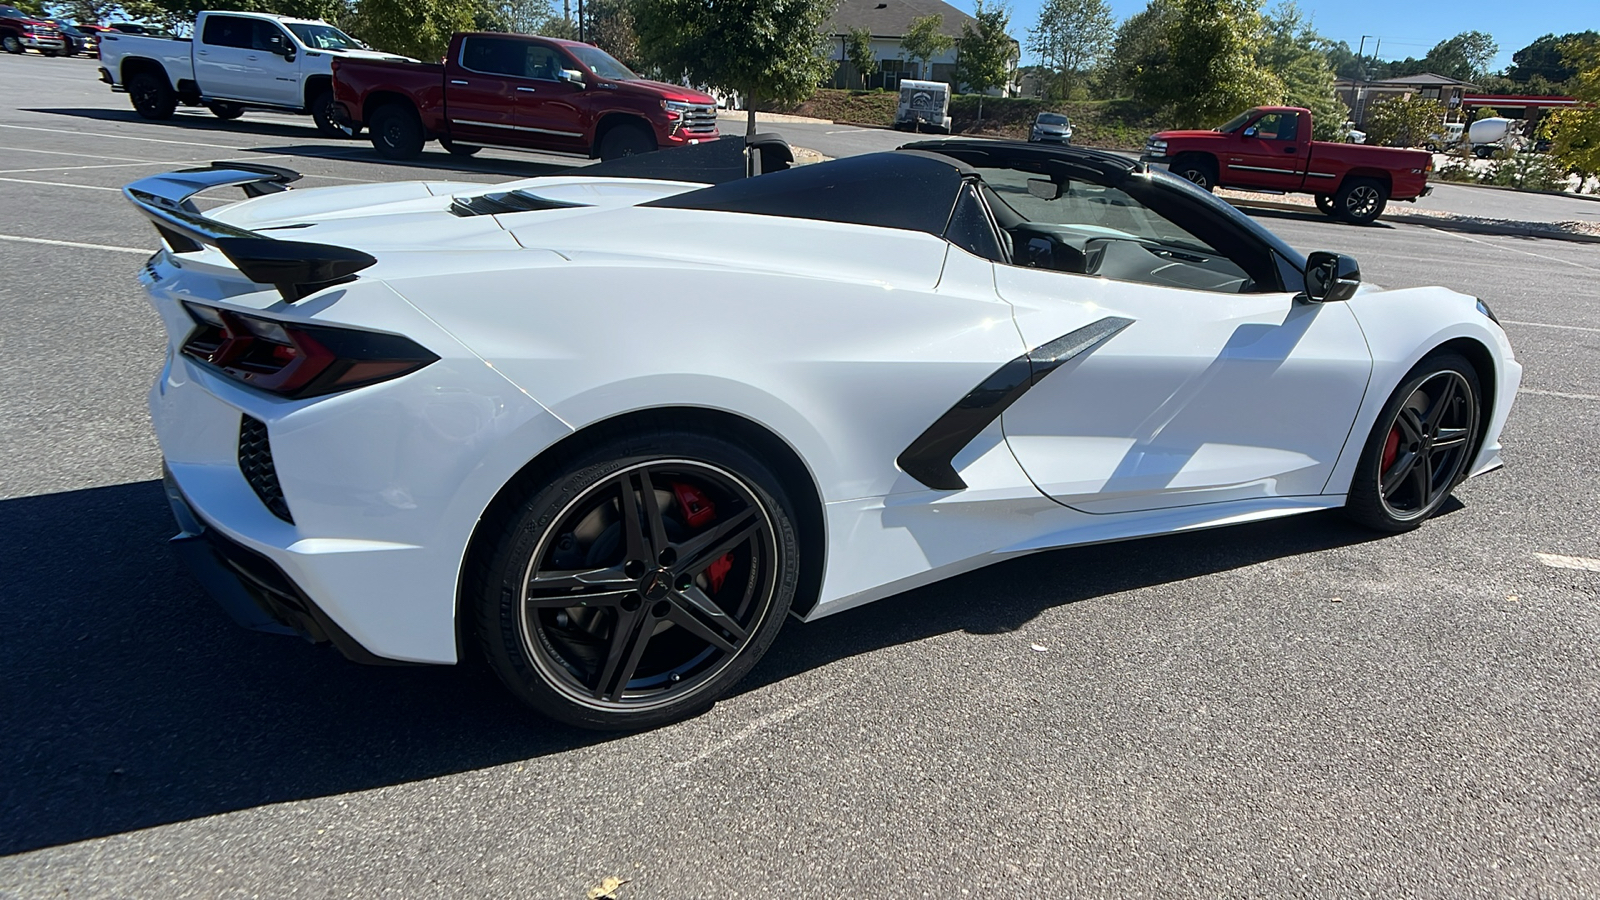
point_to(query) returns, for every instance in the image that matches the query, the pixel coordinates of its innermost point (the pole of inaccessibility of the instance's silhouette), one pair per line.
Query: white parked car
(615, 430)
(236, 61)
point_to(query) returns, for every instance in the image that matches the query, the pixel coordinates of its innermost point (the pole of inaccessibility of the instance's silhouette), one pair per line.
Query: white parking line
(125, 137)
(122, 165)
(1513, 249)
(1538, 393)
(1581, 563)
(78, 245)
(67, 153)
(87, 187)
(1548, 325)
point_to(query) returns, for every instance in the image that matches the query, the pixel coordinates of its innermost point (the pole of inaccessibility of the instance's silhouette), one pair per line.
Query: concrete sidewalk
(1526, 223)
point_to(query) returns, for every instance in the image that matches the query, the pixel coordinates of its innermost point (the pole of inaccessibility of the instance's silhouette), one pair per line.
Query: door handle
(252, 58)
(527, 90)
(1291, 149)
(457, 81)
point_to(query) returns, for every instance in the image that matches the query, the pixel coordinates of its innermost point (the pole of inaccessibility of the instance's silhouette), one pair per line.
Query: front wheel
(1420, 448)
(626, 140)
(1361, 201)
(455, 149)
(641, 582)
(13, 44)
(151, 96)
(396, 132)
(225, 111)
(1199, 172)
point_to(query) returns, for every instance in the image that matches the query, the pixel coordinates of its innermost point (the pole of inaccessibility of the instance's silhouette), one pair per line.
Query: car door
(482, 86)
(274, 65)
(224, 57)
(1268, 152)
(1197, 385)
(546, 105)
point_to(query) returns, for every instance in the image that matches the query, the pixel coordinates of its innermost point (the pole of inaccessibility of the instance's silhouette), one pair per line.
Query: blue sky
(1406, 28)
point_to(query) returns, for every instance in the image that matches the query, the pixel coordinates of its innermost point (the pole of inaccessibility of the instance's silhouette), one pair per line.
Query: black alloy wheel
(224, 110)
(1325, 204)
(396, 132)
(626, 140)
(1361, 201)
(1420, 448)
(642, 584)
(151, 96)
(322, 115)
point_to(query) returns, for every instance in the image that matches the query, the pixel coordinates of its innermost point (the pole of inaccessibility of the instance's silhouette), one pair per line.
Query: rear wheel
(1201, 172)
(225, 111)
(1420, 448)
(1361, 200)
(151, 96)
(626, 140)
(641, 583)
(396, 132)
(455, 149)
(322, 114)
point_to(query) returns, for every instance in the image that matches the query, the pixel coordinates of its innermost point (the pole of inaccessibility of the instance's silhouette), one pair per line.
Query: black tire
(1360, 201)
(1325, 204)
(1483, 152)
(455, 149)
(151, 96)
(397, 132)
(676, 611)
(52, 53)
(13, 44)
(322, 114)
(225, 111)
(1197, 170)
(626, 140)
(1420, 447)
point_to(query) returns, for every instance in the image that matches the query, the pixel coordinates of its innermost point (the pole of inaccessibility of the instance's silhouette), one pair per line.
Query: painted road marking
(1538, 393)
(125, 137)
(87, 187)
(1581, 563)
(67, 153)
(1548, 325)
(1513, 249)
(74, 244)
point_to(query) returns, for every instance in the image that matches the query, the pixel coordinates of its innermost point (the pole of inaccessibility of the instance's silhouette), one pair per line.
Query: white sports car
(611, 428)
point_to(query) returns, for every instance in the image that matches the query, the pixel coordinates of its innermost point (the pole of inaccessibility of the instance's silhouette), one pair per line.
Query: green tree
(984, 54)
(923, 41)
(1543, 58)
(1211, 74)
(419, 28)
(90, 12)
(609, 26)
(1399, 122)
(1464, 57)
(1140, 46)
(1293, 51)
(1069, 36)
(858, 49)
(770, 51)
(1575, 133)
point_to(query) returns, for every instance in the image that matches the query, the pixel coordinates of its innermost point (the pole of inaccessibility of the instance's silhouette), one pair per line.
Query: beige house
(888, 21)
(1359, 95)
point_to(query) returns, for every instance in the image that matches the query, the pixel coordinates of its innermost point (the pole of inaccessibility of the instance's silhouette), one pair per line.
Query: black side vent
(506, 202)
(255, 461)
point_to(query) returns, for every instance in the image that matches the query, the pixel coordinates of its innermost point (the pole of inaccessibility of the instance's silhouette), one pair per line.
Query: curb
(1592, 198)
(1440, 223)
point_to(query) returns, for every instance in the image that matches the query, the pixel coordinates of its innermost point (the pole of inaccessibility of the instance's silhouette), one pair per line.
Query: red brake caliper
(698, 511)
(1391, 449)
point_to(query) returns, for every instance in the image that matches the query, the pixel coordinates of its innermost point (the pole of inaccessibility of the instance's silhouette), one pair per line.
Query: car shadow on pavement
(130, 699)
(201, 121)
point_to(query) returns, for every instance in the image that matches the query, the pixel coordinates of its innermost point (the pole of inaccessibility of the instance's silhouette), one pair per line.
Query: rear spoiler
(297, 269)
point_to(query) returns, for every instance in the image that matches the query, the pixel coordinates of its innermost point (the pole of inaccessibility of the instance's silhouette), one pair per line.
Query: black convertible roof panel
(906, 190)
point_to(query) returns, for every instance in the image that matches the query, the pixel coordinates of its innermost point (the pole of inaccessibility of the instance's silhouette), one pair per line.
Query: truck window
(1277, 126)
(267, 37)
(544, 63)
(228, 31)
(496, 56)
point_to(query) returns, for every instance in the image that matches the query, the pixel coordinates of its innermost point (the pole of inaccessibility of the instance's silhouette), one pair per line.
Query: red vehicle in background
(519, 92)
(1270, 148)
(20, 32)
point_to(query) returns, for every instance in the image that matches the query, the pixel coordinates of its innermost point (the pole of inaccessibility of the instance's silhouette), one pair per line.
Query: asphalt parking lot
(1293, 708)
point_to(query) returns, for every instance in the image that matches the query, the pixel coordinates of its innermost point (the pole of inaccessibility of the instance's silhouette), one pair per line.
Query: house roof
(892, 18)
(1426, 79)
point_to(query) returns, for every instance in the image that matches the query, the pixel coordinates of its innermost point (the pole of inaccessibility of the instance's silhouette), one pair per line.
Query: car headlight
(1484, 308)
(678, 106)
(1155, 147)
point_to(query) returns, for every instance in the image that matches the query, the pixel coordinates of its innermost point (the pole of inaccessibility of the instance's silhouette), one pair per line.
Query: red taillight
(294, 359)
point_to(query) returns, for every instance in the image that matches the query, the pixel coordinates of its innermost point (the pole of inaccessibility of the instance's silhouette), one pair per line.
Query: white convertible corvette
(614, 427)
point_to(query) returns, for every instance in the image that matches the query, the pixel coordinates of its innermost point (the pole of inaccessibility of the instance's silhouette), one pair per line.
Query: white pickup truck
(235, 61)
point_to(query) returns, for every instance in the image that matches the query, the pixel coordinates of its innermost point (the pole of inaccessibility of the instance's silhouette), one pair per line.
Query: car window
(7, 12)
(604, 64)
(1277, 126)
(543, 63)
(228, 31)
(495, 56)
(323, 37)
(267, 37)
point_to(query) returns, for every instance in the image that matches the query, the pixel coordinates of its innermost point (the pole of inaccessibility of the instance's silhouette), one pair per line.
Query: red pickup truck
(520, 92)
(1270, 148)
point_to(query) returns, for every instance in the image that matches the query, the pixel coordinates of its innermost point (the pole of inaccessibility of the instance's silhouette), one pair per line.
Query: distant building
(889, 20)
(1359, 95)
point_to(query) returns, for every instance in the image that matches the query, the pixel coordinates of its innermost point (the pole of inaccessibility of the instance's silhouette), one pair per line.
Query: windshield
(322, 37)
(602, 64)
(1052, 119)
(1235, 123)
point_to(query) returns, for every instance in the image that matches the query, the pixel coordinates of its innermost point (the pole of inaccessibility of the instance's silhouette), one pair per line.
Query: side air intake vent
(506, 202)
(255, 461)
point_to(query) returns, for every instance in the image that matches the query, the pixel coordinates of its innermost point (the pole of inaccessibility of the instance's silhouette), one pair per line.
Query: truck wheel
(1360, 201)
(626, 140)
(51, 53)
(13, 45)
(225, 111)
(396, 132)
(1201, 172)
(1325, 204)
(152, 97)
(322, 114)
(455, 149)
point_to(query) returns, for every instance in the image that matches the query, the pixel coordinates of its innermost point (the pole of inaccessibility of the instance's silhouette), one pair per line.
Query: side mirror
(572, 76)
(1331, 277)
(1249, 132)
(1043, 189)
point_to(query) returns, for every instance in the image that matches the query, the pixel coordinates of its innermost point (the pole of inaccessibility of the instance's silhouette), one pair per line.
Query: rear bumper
(251, 588)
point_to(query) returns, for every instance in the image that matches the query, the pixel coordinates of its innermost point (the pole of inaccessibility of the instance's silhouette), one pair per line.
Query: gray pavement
(1291, 709)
